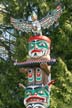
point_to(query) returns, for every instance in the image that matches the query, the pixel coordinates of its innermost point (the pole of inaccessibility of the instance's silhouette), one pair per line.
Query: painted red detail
(51, 82)
(36, 51)
(35, 98)
(30, 75)
(32, 38)
(38, 74)
(58, 7)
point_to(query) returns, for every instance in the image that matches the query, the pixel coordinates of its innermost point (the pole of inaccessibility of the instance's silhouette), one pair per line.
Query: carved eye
(30, 70)
(42, 44)
(31, 45)
(38, 72)
(30, 73)
(40, 92)
(38, 69)
(28, 93)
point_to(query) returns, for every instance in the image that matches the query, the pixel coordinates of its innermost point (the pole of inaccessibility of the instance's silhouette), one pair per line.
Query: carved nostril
(35, 94)
(35, 46)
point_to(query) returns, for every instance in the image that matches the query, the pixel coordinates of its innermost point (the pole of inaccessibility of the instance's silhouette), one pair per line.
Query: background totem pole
(38, 65)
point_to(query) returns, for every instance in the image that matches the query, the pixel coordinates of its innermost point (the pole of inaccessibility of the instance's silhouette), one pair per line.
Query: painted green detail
(38, 74)
(31, 79)
(40, 44)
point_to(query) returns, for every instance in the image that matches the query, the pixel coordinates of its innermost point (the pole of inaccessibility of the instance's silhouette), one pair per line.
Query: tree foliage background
(11, 96)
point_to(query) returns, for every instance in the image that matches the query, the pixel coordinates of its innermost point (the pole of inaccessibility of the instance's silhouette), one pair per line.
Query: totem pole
(38, 65)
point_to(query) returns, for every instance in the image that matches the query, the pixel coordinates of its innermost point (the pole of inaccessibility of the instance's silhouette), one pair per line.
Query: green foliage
(21, 48)
(61, 91)
(11, 96)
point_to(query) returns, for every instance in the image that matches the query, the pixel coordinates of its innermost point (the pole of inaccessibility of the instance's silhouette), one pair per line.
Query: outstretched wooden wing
(51, 17)
(20, 24)
(46, 22)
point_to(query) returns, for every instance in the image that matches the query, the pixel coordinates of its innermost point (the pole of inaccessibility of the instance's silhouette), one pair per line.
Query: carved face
(36, 97)
(39, 46)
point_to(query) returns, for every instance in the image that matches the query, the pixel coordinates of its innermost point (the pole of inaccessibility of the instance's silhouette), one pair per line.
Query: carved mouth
(35, 99)
(37, 50)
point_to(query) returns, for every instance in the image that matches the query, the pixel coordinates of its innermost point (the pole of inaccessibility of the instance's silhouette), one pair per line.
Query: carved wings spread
(46, 22)
(51, 18)
(20, 24)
